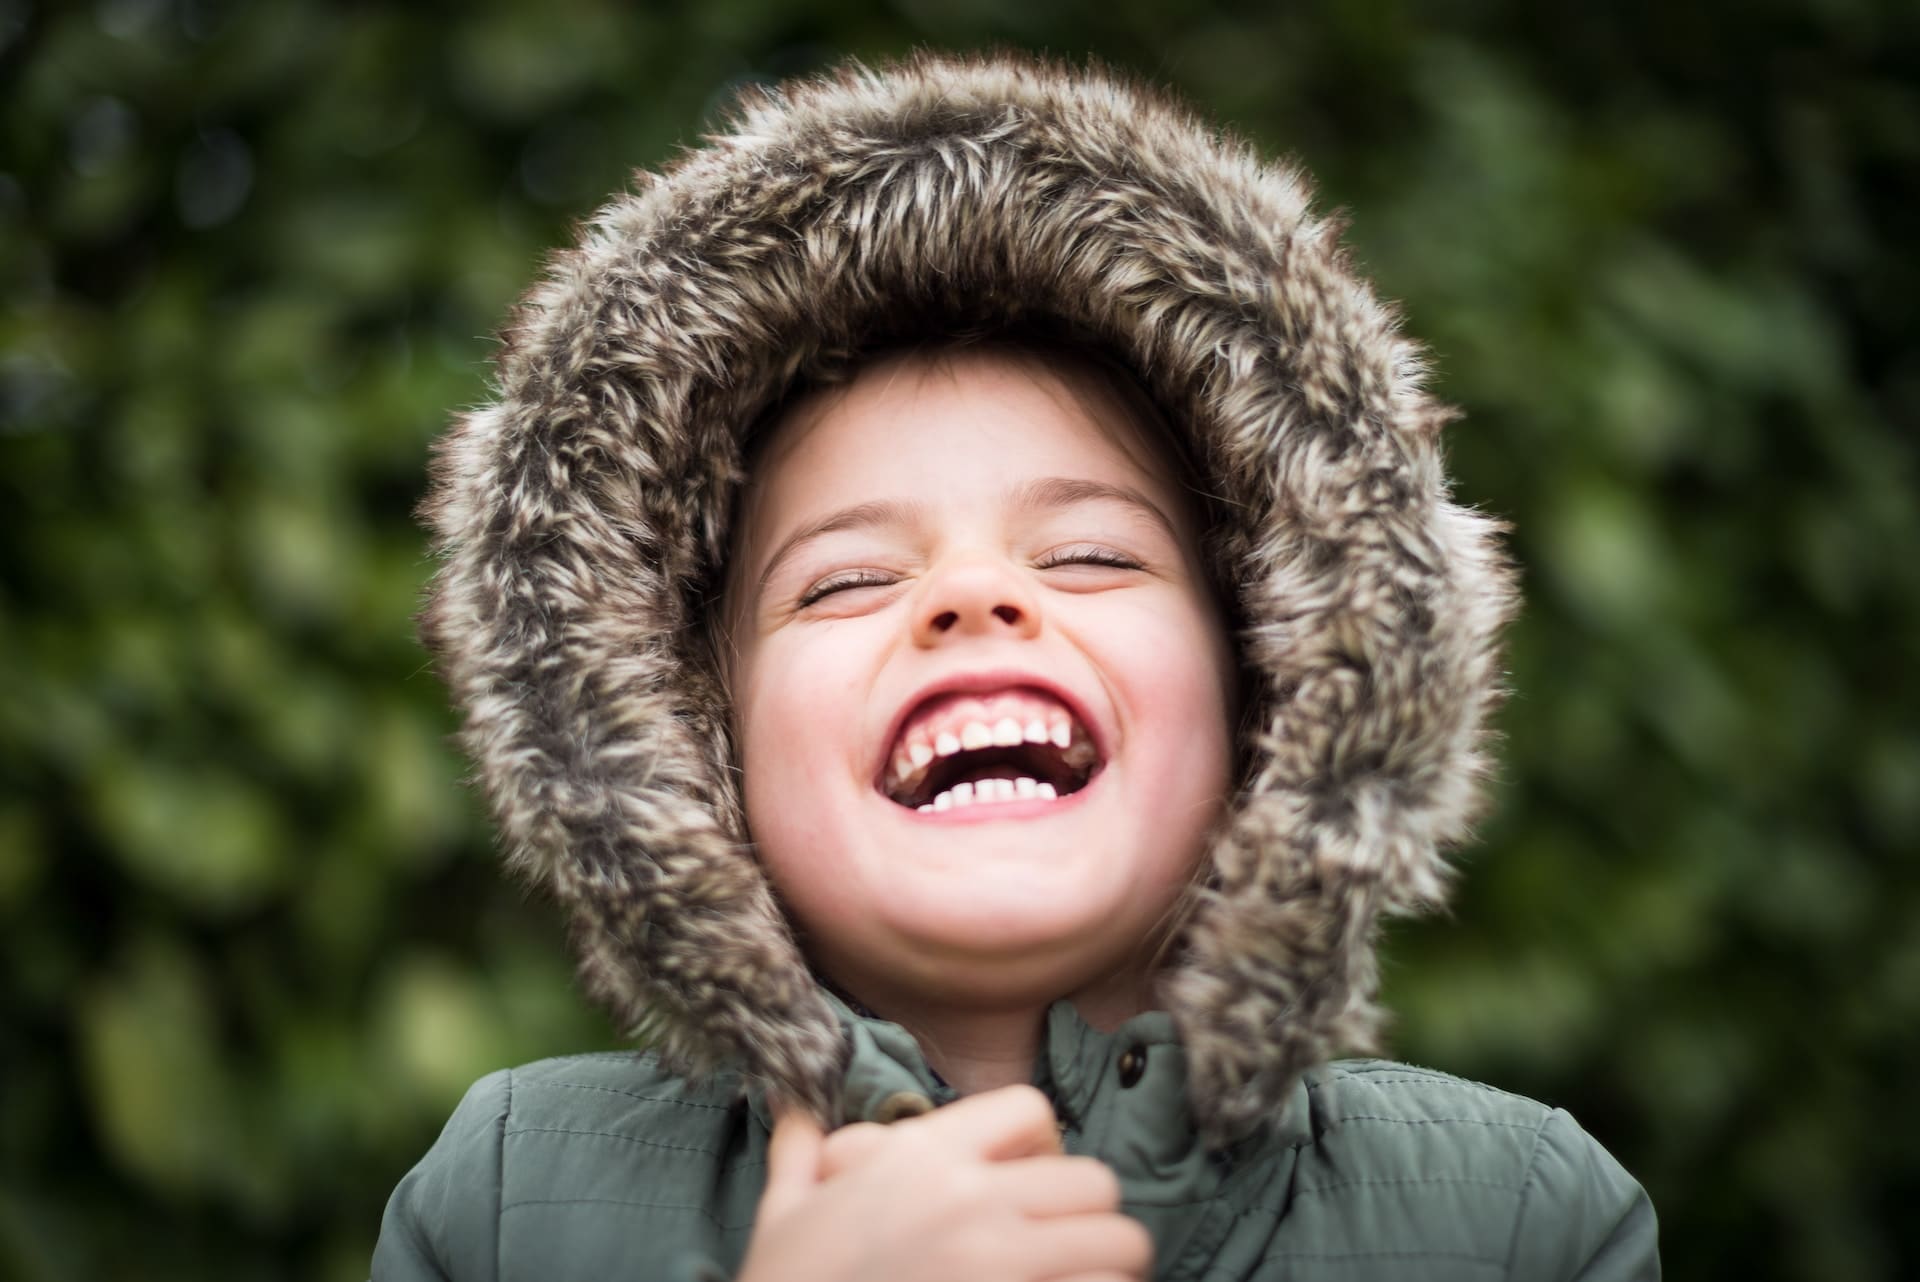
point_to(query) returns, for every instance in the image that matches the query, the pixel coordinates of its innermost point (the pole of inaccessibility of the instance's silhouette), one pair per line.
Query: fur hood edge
(582, 517)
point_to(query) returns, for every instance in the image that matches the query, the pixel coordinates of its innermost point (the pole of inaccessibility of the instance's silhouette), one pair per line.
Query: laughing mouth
(969, 749)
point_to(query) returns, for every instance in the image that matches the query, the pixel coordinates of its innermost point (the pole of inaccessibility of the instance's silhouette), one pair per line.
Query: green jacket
(583, 514)
(596, 1167)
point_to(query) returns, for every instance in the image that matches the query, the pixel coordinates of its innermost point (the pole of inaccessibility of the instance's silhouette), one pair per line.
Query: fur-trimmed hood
(583, 519)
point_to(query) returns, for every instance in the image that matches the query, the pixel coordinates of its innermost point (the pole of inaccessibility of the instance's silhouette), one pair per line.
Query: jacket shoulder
(612, 1088)
(549, 1170)
(1382, 1093)
(1425, 1169)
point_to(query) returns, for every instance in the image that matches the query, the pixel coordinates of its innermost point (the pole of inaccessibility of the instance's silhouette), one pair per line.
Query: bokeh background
(253, 941)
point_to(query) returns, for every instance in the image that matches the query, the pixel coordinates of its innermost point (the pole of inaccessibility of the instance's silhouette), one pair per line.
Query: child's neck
(975, 1050)
(978, 1048)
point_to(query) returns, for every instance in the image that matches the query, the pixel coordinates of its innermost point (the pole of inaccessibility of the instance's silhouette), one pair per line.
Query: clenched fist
(978, 1191)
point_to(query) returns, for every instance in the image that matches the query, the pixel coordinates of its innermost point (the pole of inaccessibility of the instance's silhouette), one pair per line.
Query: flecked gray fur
(582, 517)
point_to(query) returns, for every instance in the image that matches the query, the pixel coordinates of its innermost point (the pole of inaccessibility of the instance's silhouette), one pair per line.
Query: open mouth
(970, 749)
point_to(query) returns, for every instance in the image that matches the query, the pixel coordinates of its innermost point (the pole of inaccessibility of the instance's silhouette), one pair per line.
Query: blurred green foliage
(254, 942)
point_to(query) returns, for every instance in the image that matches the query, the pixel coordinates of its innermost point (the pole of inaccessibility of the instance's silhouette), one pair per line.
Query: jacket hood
(582, 516)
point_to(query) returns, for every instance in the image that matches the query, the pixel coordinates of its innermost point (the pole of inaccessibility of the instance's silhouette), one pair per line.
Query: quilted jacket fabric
(582, 516)
(607, 1166)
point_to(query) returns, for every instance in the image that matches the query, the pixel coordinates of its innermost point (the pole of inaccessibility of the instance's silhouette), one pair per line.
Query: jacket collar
(1120, 1094)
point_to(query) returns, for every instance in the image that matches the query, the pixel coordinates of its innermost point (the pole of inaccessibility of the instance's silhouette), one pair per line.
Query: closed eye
(1087, 554)
(842, 583)
(1077, 554)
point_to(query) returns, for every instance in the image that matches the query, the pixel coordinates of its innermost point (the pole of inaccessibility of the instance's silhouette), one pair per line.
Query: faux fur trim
(582, 516)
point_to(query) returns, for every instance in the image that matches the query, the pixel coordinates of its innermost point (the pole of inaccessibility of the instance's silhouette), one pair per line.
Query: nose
(975, 596)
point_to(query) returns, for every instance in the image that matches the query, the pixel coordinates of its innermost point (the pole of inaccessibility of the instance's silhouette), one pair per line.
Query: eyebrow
(861, 516)
(1040, 495)
(1062, 491)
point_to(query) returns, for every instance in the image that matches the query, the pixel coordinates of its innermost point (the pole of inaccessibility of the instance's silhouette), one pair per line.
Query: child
(1098, 654)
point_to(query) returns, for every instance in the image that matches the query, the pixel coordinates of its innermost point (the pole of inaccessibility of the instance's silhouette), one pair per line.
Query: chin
(979, 908)
(944, 976)
(989, 941)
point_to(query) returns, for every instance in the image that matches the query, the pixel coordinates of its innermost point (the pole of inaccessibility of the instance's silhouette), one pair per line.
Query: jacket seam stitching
(1440, 1121)
(1412, 1180)
(1526, 1187)
(611, 1135)
(555, 1063)
(700, 1211)
(500, 1175)
(1413, 1074)
(650, 1099)
(630, 1139)
(1423, 1254)
(1243, 1208)
(1438, 1080)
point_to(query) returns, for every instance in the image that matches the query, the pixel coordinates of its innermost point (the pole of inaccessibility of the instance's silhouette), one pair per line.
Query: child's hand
(978, 1191)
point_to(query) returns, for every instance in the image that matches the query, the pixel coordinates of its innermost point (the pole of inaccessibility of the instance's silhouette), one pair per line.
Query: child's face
(975, 539)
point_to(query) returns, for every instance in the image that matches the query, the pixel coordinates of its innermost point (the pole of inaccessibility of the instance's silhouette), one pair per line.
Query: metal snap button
(1133, 1063)
(901, 1105)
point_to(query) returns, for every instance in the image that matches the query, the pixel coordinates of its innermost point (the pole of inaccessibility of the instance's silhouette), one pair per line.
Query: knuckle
(1137, 1243)
(856, 1137)
(1103, 1185)
(909, 1139)
(1032, 1095)
(1032, 1102)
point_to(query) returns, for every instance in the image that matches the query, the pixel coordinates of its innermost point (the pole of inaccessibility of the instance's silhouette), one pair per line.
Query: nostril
(1006, 613)
(944, 620)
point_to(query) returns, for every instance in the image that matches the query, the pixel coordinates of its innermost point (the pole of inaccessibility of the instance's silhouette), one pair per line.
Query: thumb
(793, 1162)
(849, 1146)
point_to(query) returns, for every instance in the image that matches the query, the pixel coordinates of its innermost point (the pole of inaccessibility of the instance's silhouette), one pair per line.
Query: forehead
(949, 423)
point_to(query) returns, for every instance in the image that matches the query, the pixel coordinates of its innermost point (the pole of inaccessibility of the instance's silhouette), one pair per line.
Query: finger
(1009, 1122)
(1076, 1244)
(1043, 1187)
(850, 1146)
(793, 1162)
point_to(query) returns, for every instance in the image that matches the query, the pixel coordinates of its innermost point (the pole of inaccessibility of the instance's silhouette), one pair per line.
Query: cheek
(800, 742)
(1184, 670)
(1185, 701)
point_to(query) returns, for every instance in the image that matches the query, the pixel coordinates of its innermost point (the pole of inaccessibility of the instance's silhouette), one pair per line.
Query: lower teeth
(987, 791)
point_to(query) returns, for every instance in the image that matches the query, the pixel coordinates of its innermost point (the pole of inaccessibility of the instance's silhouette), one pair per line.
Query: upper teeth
(1003, 733)
(970, 723)
(914, 754)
